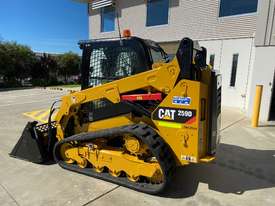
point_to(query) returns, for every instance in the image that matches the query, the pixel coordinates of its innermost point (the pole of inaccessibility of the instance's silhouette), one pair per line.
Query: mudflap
(33, 145)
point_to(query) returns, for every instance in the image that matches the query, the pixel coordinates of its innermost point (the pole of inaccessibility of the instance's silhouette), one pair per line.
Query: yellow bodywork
(188, 140)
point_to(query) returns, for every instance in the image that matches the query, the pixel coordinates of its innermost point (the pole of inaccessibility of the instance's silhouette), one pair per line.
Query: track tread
(149, 136)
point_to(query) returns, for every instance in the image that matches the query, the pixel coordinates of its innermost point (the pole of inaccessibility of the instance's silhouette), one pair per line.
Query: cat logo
(166, 114)
(170, 114)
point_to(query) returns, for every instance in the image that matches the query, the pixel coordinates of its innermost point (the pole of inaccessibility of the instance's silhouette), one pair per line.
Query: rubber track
(158, 147)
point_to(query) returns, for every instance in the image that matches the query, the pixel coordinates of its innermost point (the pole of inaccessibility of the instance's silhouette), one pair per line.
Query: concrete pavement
(243, 174)
(30, 184)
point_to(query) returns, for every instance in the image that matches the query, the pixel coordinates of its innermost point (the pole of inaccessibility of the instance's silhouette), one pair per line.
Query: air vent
(97, 4)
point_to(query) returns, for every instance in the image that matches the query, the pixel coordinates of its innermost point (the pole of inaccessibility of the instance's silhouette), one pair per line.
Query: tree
(68, 65)
(16, 62)
(44, 71)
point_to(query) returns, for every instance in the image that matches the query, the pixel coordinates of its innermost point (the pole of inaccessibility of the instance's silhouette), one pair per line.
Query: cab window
(157, 56)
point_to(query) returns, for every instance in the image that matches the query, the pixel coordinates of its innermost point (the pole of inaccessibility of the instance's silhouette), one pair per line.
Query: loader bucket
(33, 144)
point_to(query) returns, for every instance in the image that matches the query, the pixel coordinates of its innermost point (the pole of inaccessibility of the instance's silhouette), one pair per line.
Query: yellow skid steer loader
(138, 115)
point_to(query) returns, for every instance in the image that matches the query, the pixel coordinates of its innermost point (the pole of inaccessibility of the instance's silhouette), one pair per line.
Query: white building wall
(265, 34)
(224, 49)
(263, 73)
(197, 19)
(214, 47)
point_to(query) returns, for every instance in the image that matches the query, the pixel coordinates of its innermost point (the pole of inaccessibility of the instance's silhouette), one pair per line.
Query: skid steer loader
(138, 115)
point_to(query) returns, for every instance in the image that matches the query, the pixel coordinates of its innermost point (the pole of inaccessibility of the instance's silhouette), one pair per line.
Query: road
(243, 174)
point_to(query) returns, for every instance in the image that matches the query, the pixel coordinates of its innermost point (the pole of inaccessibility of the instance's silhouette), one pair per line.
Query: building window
(237, 7)
(234, 70)
(108, 19)
(157, 12)
(212, 60)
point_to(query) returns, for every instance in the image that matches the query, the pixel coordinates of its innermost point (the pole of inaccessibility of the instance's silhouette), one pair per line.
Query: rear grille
(219, 100)
(215, 111)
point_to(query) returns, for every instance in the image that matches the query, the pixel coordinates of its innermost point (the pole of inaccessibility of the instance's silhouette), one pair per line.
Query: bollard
(257, 106)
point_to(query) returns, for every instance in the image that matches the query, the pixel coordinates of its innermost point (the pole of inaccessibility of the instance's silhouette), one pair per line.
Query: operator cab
(106, 60)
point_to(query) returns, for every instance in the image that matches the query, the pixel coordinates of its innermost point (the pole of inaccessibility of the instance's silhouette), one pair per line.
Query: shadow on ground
(236, 170)
(267, 125)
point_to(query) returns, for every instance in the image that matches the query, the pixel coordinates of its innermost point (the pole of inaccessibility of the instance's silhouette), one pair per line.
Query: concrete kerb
(62, 89)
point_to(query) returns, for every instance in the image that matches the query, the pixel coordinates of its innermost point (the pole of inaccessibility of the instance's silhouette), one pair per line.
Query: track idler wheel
(64, 153)
(133, 178)
(99, 169)
(115, 173)
(83, 163)
(157, 177)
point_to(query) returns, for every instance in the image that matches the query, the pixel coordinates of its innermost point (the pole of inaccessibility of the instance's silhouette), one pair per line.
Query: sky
(53, 26)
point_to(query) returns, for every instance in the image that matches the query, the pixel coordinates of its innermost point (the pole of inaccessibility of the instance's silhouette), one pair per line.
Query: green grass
(67, 85)
(70, 85)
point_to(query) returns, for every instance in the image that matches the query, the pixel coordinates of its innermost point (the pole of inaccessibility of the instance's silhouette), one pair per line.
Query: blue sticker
(182, 100)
